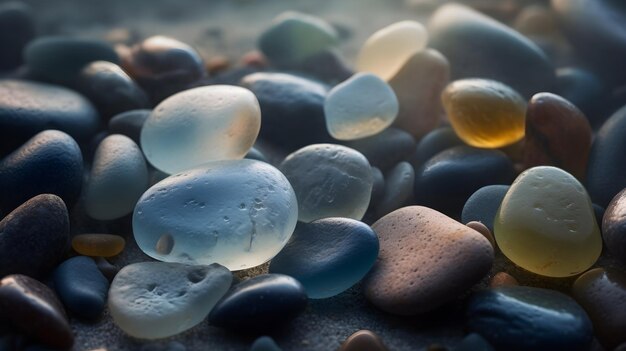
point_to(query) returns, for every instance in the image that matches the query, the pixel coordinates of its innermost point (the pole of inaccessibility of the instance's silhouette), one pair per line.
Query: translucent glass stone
(238, 213)
(200, 125)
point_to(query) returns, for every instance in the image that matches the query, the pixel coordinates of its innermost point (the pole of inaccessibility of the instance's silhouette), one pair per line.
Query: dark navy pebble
(129, 123)
(264, 343)
(474, 342)
(17, 28)
(433, 143)
(585, 90)
(384, 150)
(483, 205)
(107, 269)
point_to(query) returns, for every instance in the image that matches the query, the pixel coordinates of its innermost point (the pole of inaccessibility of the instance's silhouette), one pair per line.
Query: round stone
(238, 213)
(329, 181)
(98, 245)
(398, 188)
(614, 226)
(384, 150)
(363, 340)
(473, 342)
(328, 255)
(200, 125)
(151, 300)
(585, 90)
(502, 279)
(17, 28)
(483, 205)
(129, 123)
(426, 259)
(264, 343)
(546, 224)
(485, 113)
(386, 51)
(482, 229)
(433, 143)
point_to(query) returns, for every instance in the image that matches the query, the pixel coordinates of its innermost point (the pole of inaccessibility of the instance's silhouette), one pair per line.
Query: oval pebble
(363, 340)
(129, 123)
(328, 255)
(283, 299)
(398, 188)
(614, 226)
(264, 343)
(329, 181)
(585, 90)
(502, 279)
(17, 28)
(384, 150)
(362, 106)
(426, 259)
(200, 125)
(98, 245)
(482, 229)
(526, 318)
(433, 143)
(151, 300)
(546, 224)
(81, 287)
(239, 214)
(473, 342)
(119, 175)
(483, 205)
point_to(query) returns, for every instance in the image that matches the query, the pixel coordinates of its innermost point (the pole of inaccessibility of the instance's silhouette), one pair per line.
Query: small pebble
(502, 279)
(363, 340)
(17, 28)
(385, 149)
(473, 342)
(98, 245)
(483, 205)
(106, 268)
(129, 123)
(398, 188)
(614, 226)
(585, 90)
(264, 343)
(482, 229)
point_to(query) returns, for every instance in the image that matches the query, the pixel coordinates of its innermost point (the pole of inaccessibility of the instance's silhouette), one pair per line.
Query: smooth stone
(378, 187)
(480, 47)
(129, 123)
(256, 154)
(606, 169)
(106, 268)
(98, 245)
(264, 343)
(602, 292)
(33, 309)
(386, 149)
(17, 28)
(328, 256)
(483, 205)
(50, 162)
(81, 287)
(362, 106)
(62, 58)
(398, 188)
(327, 66)
(418, 86)
(239, 214)
(433, 143)
(546, 224)
(448, 179)
(614, 226)
(557, 134)
(485, 113)
(153, 300)
(110, 89)
(473, 342)
(585, 90)
(363, 340)
(35, 236)
(293, 37)
(386, 51)
(200, 125)
(283, 298)
(426, 259)
(482, 229)
(27, 108)
(119, 176)
(502, 279)
(329, 180)
(292, 103)
(526, 318)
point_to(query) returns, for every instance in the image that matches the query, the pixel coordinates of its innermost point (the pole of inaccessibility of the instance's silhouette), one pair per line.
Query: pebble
(398, 188)
(386, 149)
(17, 28)
(35, 236)
(363, 340)
(152, 300)
(602, 292)
(362, 106)
(483, 205)
(261, 303)
(504, 55)
(433, 143)
(50, 162)
(293, 37)
(256, 154)
(502, 279)
(426, 259)
(585, 90)
(329, 181)
(448, 179)
(264, 343)
(119, 175)
(292, 103)
(238, 213)
(557, 134)
(61, 59)
(328, 256)
(386, 51)
(327, 66)
(546, 224)
(81, 287)
(106, 268)
(110, 89)
(129, 123)
(485, 113)
(98, 245)
(33, 309)
(473, 342)
(200, 125)
(482, 229)
(614, 226)
(27, 108)
(606, 170)
(378, 187)
(526, 318)
(418, 86)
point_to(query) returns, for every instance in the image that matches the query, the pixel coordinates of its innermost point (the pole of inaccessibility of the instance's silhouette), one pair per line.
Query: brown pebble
(98, 245)
(254, 59)
(363, 340)
(217, 64)
(482, 229)
(614, 226)
(502, 279)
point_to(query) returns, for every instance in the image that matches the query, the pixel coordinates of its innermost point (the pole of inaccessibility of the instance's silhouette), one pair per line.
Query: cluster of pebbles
(443, 149)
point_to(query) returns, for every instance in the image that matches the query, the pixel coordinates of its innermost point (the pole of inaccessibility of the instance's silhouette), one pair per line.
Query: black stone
(474, 342)
(106, 268)
(483, 205)
(586, 91)
(433, 143)
(17, 28)
(129, 123)
(386, 149)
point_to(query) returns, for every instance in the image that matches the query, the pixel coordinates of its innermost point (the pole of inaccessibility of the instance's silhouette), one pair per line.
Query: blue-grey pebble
(264, 343)
(17, 28)
(81, 287)
(585, 90)
(527, 318)
(433, 143)
(398, 188)
(328, 256)
(256, 154)
(474, 342)
(129, 123)
(483, 205)
(384, 150)
(378, 187)
(261, 303)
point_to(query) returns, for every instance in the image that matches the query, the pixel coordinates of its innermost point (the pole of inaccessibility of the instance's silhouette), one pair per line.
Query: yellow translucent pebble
(98, 245)
(485, 113)
(546, 224)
